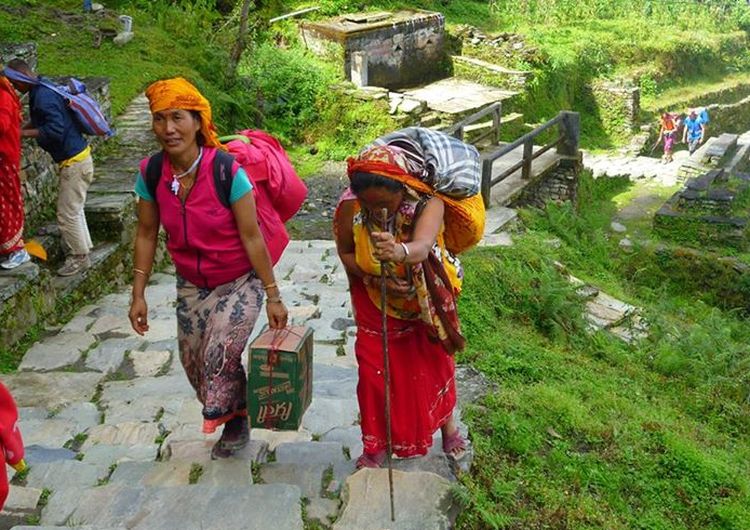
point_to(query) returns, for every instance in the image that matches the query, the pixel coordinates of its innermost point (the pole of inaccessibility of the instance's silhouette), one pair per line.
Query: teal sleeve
(241, 185)
(141, 189)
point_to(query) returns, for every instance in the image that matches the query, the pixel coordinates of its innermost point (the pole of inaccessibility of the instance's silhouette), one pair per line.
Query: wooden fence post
(528, 151)
(486, 181)
(570, 130)
(496, 117)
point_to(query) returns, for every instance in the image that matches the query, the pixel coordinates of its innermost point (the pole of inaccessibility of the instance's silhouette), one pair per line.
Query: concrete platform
(458, 97)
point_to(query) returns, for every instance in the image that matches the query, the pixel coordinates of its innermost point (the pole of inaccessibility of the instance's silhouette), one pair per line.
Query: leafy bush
(289, 83)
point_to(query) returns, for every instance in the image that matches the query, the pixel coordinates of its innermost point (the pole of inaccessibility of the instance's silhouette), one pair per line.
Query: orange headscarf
(179, 93)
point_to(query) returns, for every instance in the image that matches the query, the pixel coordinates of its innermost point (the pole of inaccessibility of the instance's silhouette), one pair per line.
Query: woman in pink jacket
(222, 262)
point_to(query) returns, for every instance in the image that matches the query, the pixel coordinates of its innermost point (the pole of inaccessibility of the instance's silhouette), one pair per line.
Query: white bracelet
(406, 252)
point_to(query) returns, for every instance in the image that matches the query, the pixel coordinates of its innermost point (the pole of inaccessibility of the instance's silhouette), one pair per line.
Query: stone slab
(349, 437)
(325, 414)
(195, 507)
(84, 415)
(47, 433)
(310, 453)
(128, 433)
(20, 504)
(51, 390)
(322, 509)
(106, 454)
(60, 505)
(65, 474)
(57, 351)
(36, 454)
(422, 500)
(109, 355)
(307, 477)
(149, 362)
(458, 96)
(227, 472)
(275, 438)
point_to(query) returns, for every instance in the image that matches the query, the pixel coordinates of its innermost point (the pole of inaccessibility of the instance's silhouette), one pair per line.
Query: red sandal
(374, 460)
(455, 446)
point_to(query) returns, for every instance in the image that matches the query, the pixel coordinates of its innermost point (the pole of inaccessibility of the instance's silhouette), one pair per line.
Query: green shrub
(289, 83)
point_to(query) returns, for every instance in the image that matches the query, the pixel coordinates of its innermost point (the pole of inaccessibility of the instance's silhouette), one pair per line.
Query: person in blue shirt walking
(53, 127)
(693, 131)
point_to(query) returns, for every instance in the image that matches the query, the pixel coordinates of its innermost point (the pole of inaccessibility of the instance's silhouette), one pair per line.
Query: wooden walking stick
(386, 370)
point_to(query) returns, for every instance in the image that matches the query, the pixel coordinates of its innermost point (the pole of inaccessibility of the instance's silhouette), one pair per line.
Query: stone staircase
(32, 294)
(113, 430)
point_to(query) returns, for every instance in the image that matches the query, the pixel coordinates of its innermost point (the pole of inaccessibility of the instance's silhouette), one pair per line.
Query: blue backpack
(87, 113)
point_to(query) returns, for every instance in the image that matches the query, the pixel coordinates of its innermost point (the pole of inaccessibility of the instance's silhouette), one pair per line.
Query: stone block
(322, 510)
(20, 505)
(149, 363)
(36, 454)
(51, 390)
(108, 356)
(306, 476)
(422, 500)
(60, 505)
(47, 433)
(106, 454)
(55, 352)
(227, 472)
(128, 433)
(325, 414)
(65, 474)
(84, 415)
(310, 452)
(192, 507)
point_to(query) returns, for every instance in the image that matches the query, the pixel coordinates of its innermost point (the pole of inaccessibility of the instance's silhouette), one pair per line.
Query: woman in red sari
(12, 252)
(423, 279)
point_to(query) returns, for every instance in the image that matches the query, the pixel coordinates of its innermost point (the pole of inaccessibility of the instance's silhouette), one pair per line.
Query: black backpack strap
(153, 173)
(223, 163)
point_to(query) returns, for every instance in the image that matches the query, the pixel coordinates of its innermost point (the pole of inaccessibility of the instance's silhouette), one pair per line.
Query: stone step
(497, 218)
(203, 506)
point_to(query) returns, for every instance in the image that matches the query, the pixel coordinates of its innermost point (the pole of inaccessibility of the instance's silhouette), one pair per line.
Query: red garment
(423, 389)
(11, 198)
(11, 444)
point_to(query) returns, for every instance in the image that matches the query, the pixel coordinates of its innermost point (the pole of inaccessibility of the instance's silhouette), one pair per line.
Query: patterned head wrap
(178, 93)
(463, 218)
(390, 162)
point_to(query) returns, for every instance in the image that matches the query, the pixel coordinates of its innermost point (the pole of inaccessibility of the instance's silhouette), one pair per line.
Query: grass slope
(586, 431)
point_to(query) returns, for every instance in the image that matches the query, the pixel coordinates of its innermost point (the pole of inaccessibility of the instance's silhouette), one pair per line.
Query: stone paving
(113, 429)
(636, 167)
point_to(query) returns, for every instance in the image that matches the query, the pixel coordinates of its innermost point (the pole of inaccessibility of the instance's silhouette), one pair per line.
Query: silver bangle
(406, 252)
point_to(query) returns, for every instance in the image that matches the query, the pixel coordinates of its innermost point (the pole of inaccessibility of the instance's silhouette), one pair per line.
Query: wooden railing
(496, 110)
(566, 143)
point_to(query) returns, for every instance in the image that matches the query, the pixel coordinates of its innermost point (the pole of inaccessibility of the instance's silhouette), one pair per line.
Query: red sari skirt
(423, 390)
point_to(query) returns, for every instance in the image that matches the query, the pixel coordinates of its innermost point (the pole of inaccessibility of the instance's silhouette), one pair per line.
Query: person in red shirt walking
(11, 443)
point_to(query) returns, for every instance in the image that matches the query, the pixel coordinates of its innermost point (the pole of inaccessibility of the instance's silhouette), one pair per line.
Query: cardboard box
(279, 386)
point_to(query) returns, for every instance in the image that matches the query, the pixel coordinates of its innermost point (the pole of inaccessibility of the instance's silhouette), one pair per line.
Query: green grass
(166, 44)
(586, 431)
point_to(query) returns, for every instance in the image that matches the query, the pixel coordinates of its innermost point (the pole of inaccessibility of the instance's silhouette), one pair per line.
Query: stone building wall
(618, 107)
(38, 171)
(408, 52)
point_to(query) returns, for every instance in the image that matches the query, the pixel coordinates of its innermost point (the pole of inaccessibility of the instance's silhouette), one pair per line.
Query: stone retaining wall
(38, 171)
(618, 107)
(558, 185)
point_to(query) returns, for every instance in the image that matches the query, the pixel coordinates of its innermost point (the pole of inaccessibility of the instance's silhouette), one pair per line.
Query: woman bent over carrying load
(423, 279)
(222, 263)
